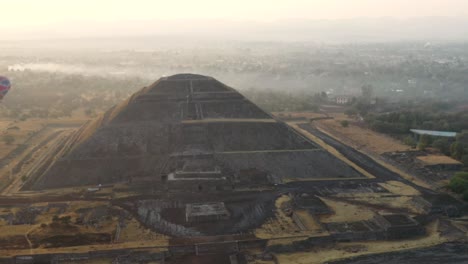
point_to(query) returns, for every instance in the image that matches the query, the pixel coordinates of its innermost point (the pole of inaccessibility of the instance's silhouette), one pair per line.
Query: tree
(8, 139)
(464, 160)
(409, 140)
(443, 145)
(23, 117)
(456, 150)
(324, 96)
(351, 112)
(367, 92)
(344, 123)
(463, 138)
(459, 182)
(65, 220)
(424, 142)
(90, 112)
(465, 195)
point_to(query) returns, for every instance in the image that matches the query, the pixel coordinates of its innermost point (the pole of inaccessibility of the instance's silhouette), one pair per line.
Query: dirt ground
(393, 203)
(280, 225)
(345, 212)
(400, 188)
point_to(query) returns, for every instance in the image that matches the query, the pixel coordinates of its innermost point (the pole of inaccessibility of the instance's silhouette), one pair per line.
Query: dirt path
(26, 236)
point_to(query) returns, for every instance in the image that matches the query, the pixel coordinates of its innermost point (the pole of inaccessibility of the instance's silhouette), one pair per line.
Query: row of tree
(55, 95)
(459, 184)
(400, 122)
(456, 148)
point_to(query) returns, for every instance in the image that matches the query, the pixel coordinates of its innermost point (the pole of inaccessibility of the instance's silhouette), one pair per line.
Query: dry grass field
(400, 188)
(33, 138)
(359, 137)
(19, 130)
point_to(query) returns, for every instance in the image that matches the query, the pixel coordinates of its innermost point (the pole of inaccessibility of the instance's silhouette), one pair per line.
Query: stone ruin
(187, 128)
(206, 212)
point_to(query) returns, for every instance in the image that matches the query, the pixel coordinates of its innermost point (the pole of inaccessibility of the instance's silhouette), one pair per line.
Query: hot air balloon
(5, 86)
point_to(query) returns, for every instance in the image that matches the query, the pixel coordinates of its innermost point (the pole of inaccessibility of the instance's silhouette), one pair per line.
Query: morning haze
(297, 20)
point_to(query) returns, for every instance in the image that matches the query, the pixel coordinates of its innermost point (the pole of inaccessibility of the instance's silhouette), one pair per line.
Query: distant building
(419, 132)
(343, 99)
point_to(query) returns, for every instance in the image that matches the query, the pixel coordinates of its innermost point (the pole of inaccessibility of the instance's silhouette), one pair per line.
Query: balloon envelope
(5, 86)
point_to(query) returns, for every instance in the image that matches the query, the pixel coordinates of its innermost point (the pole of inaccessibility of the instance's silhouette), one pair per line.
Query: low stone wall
(62, 257)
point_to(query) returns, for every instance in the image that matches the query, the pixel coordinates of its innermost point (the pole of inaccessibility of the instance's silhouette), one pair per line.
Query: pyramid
(187, 131)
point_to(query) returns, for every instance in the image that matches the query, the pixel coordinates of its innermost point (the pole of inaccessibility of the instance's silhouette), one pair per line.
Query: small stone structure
(381, 227)
(205, 212)
(399, 226)
(311, 203)
(355, 231)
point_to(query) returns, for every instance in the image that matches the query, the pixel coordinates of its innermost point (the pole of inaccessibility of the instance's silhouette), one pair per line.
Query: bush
(424, 142)
(65, 220)
(409, 140)
(351, 112)
(23, 118)
(464, 160)
(8, 139)
(344, 123)
(443, 145)
(459, 182)
(456, 150)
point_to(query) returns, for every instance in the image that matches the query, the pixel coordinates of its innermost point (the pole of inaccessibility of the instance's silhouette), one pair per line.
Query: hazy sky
(318, 20)
(19, 13)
